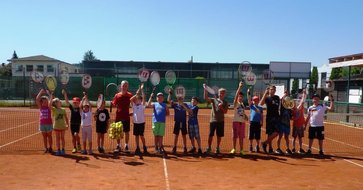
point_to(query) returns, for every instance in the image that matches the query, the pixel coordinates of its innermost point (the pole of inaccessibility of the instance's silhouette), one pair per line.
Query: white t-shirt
(86, 118)
(316, 114)
(138, 113)
(239, 112)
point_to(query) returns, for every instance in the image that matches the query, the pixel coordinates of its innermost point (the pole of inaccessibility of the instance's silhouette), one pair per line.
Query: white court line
(18, 126)
(19, 140)
(167, 184)
(353, 163)
(344, 143)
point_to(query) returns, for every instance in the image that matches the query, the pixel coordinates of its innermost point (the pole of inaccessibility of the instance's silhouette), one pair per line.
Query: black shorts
(272, 126)
(316, 133)
(255, 131)
(126, 126)
(75, 128)
(216, 126)
(180, 126)
(101, 129)
(139, 129)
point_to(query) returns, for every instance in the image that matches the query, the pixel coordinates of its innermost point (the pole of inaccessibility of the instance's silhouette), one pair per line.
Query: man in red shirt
(122, 102)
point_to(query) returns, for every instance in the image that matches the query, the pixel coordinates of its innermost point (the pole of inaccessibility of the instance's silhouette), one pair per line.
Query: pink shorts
(238, 129)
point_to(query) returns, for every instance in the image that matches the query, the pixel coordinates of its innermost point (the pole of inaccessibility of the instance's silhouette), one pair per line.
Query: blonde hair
(55, 101)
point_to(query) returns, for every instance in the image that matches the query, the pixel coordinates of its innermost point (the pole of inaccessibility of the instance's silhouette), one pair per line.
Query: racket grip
(110, 106)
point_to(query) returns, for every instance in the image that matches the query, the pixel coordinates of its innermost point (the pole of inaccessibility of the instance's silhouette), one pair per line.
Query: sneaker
(50, 150)
(288, 151)
(208, 150)
(233, 151)
(157, 150)
(99, 149)
(145, 150)
(127, 148)
(218, 150)
(79, 148)
(118, 149)
(264, 147)
(58, 153)
(308, 152)
(278, 151)
(270, 150)
(258, 149)
(241, 153)
(74, 150)
(200, 151)
(192, 150)
(137, 151)
(83, 151)
(251, 149)
(185, 150)
(174, 150)
(162, 150)
(90, 152)
(293, 150)
(302, 151)
(63, 152)
(321, 153)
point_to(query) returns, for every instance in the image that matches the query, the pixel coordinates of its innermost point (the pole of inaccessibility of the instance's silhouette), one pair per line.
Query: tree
(5, 69)
(89, 56)
(335, 73)
(295, 87)
(314, 77)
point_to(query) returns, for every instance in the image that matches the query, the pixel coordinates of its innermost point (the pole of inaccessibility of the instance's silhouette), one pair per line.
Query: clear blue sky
(259, 31)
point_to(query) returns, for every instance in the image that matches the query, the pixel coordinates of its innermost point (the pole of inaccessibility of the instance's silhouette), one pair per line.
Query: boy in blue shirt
(256, 121)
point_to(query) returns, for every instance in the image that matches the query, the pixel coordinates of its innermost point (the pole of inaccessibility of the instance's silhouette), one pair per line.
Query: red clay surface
(24, 166)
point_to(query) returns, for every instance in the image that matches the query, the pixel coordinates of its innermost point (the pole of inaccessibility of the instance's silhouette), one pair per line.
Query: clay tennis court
(24, 166)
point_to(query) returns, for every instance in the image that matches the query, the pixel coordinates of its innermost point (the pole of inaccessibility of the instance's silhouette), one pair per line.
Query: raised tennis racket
(99, 101)
(267, 76)
(154, 79)
(86, 82)
(180, 91)
(38, 77)
(109, 92)
(51, 83)
(64, 79)
(143, 75)
(170, 78)
(209, 89)
(243, 69)
(250, 79)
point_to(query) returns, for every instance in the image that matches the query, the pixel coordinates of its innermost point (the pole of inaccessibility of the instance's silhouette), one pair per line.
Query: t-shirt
(102, 117)
(159, 113)
(86, 118)
(122, 102)
(75, 115)
(272, 105)
(217, 115)
(256, 113)
(138, 113)
(180, 114)
(239, 112)
(45, 117)
(58, 117)
(298, 117)
(316, 113)
(193, 118)
(285, 116)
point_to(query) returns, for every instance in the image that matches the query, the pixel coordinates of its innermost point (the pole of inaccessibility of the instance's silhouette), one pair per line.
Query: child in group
(75, 121)
(219, 108)
(193, 125)
(45, 120)
(102, 118)
(60, 124)
(284, 126)
(138, 115)
(158, 121)
(86, 124)
(256, 121)
(239, 118)
(316, 130)
(180, 120)
(298, 123)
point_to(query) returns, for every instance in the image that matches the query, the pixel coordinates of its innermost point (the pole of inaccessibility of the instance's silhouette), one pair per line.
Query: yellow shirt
(58, 118)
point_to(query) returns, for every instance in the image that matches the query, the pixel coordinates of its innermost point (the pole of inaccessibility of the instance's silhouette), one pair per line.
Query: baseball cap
(160, 94)
(255, 98)
(76, 99)
(316, 96)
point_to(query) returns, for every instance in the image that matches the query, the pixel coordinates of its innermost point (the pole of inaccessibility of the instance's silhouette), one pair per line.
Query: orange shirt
(298, 117)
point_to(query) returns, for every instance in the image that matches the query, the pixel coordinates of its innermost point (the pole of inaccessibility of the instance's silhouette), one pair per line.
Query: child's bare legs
(143, 141)
(57, 139)
(50, 139)
(294, 143)
(321, 145)
(300, 142)
(102, 139)
(234, 142)
(210, 139)
(279, 140)
(199, 143)
(184, 140)
(45, 138)
(287, 141)
(192, 141)
(310, 143)
(156, 140)
(176, 137)
(62, 139)
(241, 143)
(99, 140)
(219, 139)
(127, 137)
(90, 146)
(251, 142)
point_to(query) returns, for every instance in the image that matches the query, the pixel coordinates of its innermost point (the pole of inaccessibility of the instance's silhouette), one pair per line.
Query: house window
(29, 68)
(50, 68)
(19, 68)
(40, 68)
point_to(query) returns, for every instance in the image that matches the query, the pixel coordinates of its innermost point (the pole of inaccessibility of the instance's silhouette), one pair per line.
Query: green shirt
(58, 118)
(217, 115)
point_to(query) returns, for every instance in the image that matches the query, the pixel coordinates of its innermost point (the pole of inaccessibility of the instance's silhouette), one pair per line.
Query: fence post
(24, 96)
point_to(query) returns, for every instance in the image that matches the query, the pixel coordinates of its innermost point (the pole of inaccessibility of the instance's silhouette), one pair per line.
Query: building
(48, 66)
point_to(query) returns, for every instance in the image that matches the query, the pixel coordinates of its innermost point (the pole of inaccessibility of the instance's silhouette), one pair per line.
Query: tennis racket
(209, 89)
(170, 78)
(86, 82)
(38, 77)
(250, 79)
(51, 83)
(154, 79)
(99, 101)
(143, 75)
(180, 91)
(108, 92)
(243, 69)
(267, 76)
(64, 79)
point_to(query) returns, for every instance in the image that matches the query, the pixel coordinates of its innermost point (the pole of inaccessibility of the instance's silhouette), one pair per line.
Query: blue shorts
(284, 129)
(194, 131)
(45, 128)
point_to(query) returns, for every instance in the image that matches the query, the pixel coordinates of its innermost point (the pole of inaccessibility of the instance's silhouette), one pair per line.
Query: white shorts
(87, 133)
